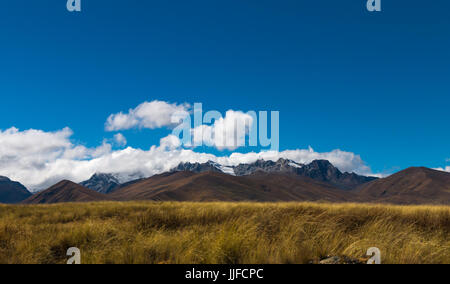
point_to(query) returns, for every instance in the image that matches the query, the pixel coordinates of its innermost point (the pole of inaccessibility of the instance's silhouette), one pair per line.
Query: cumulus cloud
(210, 129)
(120, 140)
(446, 169)
(39, 159)
(151, 115)
(227, 132)
(170, 142)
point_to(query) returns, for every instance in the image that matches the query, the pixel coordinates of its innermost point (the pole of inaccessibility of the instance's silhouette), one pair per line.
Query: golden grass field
(229, 233)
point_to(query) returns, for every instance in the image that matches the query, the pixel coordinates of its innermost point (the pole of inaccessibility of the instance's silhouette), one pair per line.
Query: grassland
(231, 233)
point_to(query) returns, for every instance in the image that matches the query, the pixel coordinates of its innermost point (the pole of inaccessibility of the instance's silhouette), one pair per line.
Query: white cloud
(120, 140)
(446, 169)
(227, 132)
(170, 142)
(39, 159)
(36, 157)
(154, 114)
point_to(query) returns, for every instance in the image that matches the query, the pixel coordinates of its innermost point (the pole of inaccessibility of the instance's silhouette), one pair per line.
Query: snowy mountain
(103, 183)
(209, 166)
(107, 182)
(319, 170)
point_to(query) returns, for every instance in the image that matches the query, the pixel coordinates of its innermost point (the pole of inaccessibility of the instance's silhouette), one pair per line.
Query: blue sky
(375, 84)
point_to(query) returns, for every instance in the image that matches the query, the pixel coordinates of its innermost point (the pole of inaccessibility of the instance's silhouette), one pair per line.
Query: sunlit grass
(146, 232)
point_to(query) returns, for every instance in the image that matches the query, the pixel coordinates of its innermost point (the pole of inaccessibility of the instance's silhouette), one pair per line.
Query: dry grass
(231, 233)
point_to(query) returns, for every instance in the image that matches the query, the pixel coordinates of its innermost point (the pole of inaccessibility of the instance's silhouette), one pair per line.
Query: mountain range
(264, 181)
(319, 170)
(215, 186)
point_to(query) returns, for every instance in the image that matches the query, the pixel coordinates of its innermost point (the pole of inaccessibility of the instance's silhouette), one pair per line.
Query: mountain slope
(323, 170)
(12, 192)
(411, 186)
(103, 183)
(214, 186)
(65, 191)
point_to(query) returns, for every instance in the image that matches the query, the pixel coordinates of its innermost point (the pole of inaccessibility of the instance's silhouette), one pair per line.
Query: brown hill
(214, 186)
(12, 191)
(65, 191)
(411, 186)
